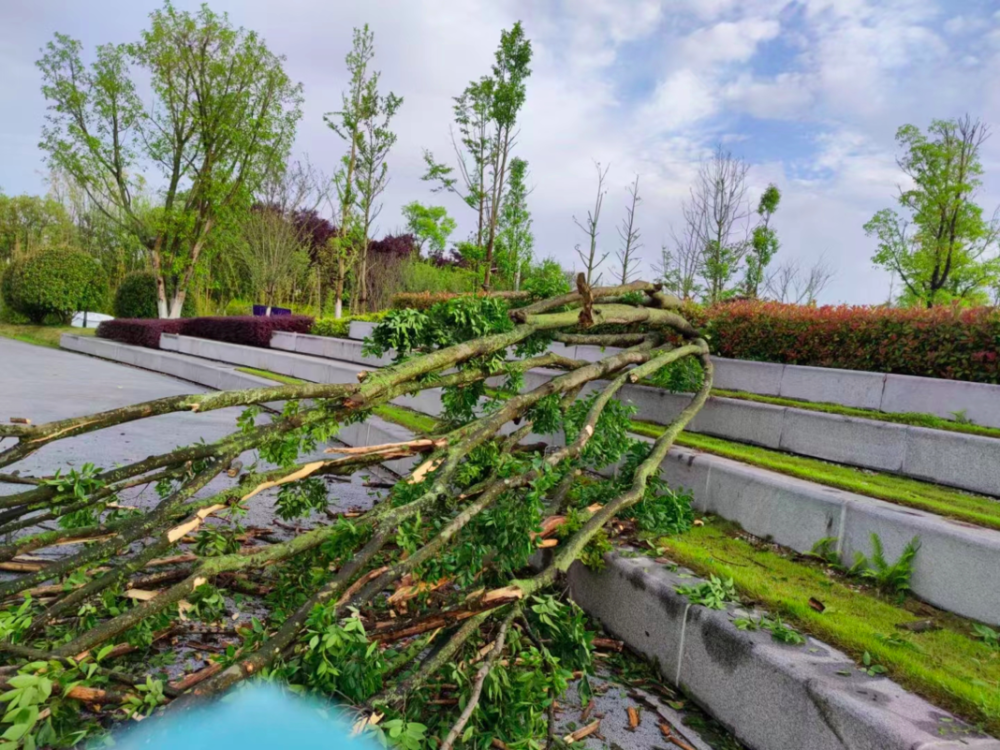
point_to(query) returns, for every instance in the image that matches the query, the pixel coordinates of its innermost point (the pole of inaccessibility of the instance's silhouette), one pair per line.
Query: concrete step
(968, 462)
(954, 570)
(881, 391)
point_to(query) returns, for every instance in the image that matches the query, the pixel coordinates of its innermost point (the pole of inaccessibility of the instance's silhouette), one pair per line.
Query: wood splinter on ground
(583, 732)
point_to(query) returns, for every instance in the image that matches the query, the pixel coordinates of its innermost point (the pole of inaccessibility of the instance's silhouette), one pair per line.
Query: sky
(810, 93)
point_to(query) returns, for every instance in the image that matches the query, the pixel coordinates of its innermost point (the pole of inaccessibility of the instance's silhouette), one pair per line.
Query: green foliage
(779, 630)
(889, 578)
(338, 660)
(340, 328)
(431, 225)
(870, 667)
(446, 323)
(103, 133)
(57, 282)
(136, 298)
(299, 499)
(683, 376)
(987, 634)
(945, 251)
(763, 243)
(713, 593)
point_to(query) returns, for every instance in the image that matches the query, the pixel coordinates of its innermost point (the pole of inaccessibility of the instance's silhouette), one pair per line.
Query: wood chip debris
(583, 732)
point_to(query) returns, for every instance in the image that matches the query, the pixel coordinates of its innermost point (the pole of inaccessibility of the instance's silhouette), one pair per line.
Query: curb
(770, 695)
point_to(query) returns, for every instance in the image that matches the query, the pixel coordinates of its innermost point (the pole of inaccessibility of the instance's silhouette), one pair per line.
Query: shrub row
(427, 300)
(244, 329)
(139, 331)
(136, 297)
(340, 327)
(942, 342)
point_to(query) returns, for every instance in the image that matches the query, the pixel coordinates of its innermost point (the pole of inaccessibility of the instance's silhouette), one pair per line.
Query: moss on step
(944, 501)
(412, 420)
(948, 666)
(915, 419)
(286, 379)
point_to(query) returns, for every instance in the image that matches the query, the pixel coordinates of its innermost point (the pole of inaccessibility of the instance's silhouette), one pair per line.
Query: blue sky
(809, 92)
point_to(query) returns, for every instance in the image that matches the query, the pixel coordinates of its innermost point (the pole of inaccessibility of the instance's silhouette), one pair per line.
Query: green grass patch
(286, 379)
(411, 420)
(915, 419)
(40, 335)
(944, 501)
(948, 666)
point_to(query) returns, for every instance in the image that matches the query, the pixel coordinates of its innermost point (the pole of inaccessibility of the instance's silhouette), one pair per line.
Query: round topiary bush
(136, 298)
(58, 281)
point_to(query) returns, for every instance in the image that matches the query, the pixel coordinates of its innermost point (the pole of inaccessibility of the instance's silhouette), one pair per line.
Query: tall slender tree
(763, 242)
(347, 123)
(591, 261)
(514, 238)
(221, 112)
(630, 237)
(372, 172)
(486, 114)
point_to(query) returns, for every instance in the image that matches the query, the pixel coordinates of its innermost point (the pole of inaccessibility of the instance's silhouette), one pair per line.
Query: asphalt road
(43, 384)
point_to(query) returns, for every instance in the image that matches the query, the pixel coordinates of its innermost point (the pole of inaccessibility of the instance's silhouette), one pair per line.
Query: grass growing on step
(412, 420)
(402, 416)
(974, 509)
(915, 419)
(949, 667)
(40, 335)
(286, 379)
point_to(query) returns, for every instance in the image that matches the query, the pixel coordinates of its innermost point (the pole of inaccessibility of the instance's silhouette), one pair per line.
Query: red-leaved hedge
(139, 331)
(248, 330)
(942, 342)
(240, 329)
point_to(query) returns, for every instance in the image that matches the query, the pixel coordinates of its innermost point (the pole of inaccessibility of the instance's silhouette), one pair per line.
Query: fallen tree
(422, 613)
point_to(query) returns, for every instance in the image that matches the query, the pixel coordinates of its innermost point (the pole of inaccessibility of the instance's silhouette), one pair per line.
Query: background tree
(29, 222)
(347, 123)
(430, 225)
(630, 237)
(472, 153)
(945, 250)
(514, 238)
(372, 172)
(763, 242)
(486, 114)
(789, 283)
(589, 259)
(509, 74)
(715, 218)
(222, 110)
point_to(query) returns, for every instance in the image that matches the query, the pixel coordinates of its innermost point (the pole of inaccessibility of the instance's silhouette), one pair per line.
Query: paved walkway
(44, 384)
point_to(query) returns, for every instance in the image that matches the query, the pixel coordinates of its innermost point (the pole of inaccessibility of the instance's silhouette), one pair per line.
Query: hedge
(340, 328)
(944, 342)
(245, 329)
(139, 331)
(427, 300)
(248, 330)
(57, 281)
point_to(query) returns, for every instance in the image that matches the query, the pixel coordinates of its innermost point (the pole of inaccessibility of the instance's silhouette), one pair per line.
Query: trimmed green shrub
(57, 282)
(136, 298)
(339, 328)
(427, 300)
